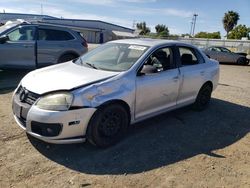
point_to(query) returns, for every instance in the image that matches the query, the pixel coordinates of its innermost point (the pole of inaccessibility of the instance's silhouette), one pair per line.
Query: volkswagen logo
(23, 95)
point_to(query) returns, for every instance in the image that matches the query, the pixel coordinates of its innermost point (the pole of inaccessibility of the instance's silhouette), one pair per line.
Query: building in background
(94, 31)
(4, 17)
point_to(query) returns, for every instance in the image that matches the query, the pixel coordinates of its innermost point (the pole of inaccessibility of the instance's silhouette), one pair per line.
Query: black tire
(247, 62)
(66, 57)
(241, 61)
(203, 98)
(108, 125)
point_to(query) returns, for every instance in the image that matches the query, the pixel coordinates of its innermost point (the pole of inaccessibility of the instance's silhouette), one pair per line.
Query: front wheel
(242, 61)
(108, 125)
(203, 98)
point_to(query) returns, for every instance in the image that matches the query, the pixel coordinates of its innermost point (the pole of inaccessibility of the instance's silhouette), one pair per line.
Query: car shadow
(234, 64)
(9, 80)
(157, 142)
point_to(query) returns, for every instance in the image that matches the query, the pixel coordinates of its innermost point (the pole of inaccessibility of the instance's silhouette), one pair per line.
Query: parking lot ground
(182, 148)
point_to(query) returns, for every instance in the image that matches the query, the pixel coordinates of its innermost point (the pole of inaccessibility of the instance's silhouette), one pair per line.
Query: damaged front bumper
(60, 127)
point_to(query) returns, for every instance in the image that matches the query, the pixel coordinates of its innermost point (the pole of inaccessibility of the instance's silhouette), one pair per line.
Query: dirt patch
(182, 148)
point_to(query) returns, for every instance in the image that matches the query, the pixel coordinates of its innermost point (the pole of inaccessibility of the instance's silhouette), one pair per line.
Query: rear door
(51, 44)
(228, 56)
(193, 72)
(19, 50)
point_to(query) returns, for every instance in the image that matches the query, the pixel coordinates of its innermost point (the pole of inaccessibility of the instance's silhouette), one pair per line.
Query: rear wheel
(66, 57)
(203, 98)
(108, 125)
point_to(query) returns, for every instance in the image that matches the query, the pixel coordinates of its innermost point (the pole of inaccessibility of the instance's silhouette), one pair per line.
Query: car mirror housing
(147, 69)
(3, 39)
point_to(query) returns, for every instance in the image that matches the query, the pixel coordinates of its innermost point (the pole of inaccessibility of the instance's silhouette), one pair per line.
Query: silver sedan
(117, 84)
(224, 55)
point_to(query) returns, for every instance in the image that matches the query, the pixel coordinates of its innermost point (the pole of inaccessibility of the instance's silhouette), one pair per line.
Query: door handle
(28, 45)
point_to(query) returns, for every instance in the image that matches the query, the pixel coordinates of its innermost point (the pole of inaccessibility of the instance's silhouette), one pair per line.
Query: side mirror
(147, 69)
(3, 39)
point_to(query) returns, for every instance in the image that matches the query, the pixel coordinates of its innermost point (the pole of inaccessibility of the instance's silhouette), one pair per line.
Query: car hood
(65, 76)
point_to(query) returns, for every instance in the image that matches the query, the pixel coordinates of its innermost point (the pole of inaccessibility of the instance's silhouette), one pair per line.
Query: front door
(19, 50)
(157, 91)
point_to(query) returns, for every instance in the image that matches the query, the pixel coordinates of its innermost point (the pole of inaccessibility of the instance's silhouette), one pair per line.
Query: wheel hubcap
(110, 124)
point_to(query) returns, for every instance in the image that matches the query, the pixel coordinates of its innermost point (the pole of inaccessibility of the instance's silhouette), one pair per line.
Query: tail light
(85, 44)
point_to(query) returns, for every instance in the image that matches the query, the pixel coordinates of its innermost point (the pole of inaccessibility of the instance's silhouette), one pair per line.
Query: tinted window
(54, 35)
(189, 56)
(225, 50)
(25, 33)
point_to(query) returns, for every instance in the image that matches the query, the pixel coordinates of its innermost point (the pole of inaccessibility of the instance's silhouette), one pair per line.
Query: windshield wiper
(91, 65)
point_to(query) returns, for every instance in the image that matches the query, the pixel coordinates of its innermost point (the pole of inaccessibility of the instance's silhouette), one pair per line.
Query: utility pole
(41, 9)
(191, 29)
(194, 20)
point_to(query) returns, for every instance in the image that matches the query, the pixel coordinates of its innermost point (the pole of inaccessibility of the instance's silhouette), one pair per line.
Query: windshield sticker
(134, 47)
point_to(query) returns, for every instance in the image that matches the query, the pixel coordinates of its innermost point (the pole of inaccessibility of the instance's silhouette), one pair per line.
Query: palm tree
(230, 20)
(143, 28)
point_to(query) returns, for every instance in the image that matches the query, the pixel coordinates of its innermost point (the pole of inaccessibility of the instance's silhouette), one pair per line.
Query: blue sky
(176, 14)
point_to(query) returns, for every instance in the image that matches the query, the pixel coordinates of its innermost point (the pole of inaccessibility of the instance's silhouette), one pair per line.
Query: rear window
(81, 35)
(54, 35)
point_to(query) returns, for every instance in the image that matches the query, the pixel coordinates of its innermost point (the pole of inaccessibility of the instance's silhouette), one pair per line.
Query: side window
(188, 56)
(54, 35)
(160, 60)
(25, 33)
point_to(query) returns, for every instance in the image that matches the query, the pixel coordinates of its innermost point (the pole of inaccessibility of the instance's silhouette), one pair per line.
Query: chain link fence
(233, 45)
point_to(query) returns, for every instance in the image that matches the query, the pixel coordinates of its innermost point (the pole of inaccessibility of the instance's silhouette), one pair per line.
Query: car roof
(148, 42)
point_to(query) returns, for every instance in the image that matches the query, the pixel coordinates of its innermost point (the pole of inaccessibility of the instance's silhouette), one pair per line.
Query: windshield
(6, 27)
(112, 57)
(225, 50)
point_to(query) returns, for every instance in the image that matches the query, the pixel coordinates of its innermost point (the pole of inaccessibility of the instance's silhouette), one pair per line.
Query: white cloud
(160, 11)
(53, 11)
(111, 2)
(96, 2)
(138, 1)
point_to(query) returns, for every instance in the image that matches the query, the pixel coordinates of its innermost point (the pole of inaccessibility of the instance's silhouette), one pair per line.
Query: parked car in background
(119, 83)
(224, 55)
(30, 46)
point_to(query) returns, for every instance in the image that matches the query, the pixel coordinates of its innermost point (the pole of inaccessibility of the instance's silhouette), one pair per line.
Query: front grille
(22, 104)
(30, 98)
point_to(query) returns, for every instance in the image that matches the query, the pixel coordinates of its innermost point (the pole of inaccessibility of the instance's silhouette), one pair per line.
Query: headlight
(56, 101)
